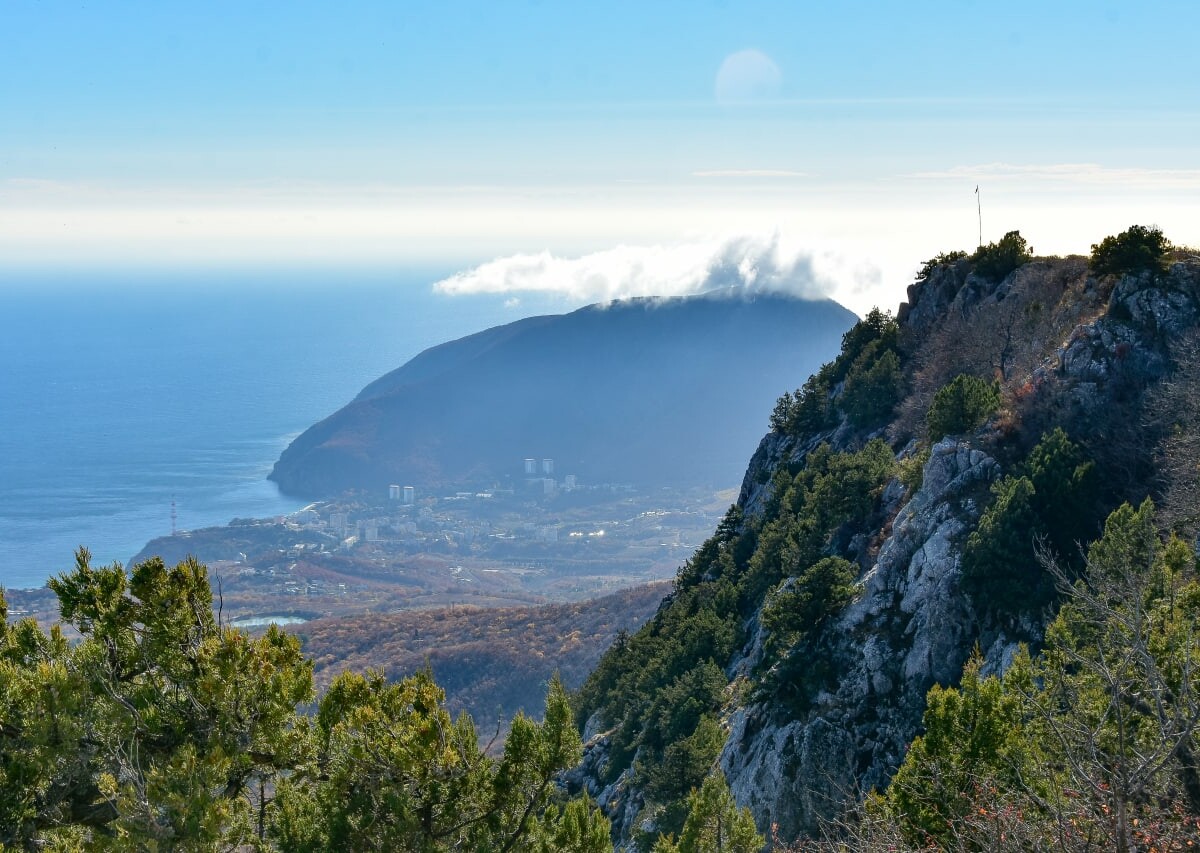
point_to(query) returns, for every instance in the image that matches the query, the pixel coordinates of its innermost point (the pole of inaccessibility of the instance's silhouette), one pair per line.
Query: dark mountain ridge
(643, 391)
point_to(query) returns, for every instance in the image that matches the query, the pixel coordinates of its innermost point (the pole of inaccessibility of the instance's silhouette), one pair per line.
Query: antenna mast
(979, 210)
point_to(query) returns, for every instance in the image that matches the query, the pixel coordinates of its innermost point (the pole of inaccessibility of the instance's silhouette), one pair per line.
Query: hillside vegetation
(163, 730)
(917, 522)
(492, 662)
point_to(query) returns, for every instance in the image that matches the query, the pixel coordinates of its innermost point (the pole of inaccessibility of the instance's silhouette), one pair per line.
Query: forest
(162, 729)
(491, 661)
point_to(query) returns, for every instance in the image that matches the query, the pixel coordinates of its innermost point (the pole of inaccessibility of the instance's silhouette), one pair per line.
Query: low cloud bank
(755, 263)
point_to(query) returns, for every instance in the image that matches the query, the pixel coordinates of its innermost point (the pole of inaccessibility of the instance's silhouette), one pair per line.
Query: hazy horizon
(463, 135)
(532, 154)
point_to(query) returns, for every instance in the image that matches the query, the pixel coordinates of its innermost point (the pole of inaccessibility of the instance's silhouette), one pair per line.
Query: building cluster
(407, 494)
(541, 478)
(402, 521)
(408, 526)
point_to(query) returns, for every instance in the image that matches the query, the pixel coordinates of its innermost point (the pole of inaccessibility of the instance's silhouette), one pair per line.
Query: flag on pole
(979, 208)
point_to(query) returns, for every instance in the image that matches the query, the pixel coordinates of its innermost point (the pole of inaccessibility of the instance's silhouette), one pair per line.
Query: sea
(128, 397)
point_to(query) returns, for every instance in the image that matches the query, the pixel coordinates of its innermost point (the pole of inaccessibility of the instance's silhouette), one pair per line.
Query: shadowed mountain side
(651, 392)
(490, 661)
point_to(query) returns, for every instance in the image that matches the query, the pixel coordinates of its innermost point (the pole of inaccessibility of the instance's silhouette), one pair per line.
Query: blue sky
(458, 133)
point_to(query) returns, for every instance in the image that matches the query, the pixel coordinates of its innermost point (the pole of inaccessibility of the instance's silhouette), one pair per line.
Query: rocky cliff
(823, 699)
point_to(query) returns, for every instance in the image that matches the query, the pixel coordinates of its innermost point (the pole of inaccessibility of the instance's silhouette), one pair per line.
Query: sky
(604, 148)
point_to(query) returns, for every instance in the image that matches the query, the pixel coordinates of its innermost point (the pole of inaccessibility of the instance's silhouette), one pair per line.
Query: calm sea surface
(121, 393)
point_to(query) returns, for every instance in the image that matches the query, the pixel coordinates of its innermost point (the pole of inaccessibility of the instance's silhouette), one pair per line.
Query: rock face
(908, 629)
(910, 625)
(620, 800)
(649, 392)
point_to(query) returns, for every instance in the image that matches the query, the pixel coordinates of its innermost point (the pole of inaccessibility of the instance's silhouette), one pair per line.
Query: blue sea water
(121, 393)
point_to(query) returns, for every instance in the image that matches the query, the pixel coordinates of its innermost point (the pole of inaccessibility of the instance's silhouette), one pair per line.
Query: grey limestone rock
(906, 631)
(620, 801)
(910, 626)
(929, 298)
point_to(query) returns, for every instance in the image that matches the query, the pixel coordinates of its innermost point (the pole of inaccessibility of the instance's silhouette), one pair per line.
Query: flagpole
(979, 209)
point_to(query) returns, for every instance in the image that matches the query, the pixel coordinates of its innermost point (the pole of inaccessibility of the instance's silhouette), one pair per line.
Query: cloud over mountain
(759, 264)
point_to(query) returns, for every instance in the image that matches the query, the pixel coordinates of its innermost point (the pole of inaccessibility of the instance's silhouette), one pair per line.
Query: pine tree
(714, 823)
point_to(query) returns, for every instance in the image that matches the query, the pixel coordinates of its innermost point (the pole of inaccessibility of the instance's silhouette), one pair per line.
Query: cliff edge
(854, 572)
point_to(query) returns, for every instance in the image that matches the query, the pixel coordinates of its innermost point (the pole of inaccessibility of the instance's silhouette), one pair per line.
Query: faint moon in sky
(747, 75)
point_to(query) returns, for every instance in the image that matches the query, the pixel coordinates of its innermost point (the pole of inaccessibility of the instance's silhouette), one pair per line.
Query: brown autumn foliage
(492, 662)
(1174, 413)
(998, 331)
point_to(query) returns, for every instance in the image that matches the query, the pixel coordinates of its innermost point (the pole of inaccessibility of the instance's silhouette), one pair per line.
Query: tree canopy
(163, 729)
(1092, 744)
(1136, 249)
(996, 260)
(961, 405)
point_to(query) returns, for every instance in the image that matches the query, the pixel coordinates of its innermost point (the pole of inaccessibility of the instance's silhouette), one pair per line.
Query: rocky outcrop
(929, 297)
(909, 628)
(1131, 338)
(1092, 348)
(620, 800)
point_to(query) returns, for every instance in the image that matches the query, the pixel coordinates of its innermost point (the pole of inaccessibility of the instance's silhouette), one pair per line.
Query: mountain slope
(650, 392)
(868, 553)
(490, 660)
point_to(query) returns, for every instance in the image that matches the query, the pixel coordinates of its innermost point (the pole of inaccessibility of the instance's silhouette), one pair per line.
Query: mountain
(645, 391)
(912, 522)
(956, 606)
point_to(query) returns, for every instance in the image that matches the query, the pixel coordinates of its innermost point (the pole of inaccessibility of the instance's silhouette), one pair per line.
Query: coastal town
(547, 537)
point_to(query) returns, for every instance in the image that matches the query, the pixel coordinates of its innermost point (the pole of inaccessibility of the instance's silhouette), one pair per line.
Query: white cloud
(759, 264)
(748, 173)
(1071, 173)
